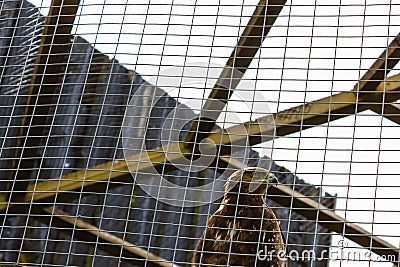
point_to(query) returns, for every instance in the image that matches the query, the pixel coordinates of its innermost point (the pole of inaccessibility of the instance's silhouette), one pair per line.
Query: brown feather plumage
(242, 226)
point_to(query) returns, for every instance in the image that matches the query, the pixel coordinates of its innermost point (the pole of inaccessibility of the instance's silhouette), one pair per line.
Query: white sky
(319, 53)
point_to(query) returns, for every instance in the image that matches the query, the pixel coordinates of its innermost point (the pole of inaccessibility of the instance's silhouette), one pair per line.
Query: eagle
(244, 231)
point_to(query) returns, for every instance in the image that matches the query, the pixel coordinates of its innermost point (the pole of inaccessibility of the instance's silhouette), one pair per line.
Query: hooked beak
(271, 179)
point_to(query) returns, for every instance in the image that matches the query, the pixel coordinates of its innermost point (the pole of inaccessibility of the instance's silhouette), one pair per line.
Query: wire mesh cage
(148, 133)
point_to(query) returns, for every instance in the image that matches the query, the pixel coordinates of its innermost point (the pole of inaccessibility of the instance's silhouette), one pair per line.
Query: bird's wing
(209, 249)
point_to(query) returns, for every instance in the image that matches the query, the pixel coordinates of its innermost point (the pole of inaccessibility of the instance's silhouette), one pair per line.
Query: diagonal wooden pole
(248, 45)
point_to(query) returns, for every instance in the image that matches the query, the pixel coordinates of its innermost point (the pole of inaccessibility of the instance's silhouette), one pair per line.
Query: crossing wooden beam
(381, 67)
(306, 116)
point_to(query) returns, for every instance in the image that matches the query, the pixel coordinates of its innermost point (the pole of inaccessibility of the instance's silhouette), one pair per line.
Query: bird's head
(251, 180)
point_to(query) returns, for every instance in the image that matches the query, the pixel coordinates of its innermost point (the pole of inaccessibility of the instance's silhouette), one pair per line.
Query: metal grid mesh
(81, 129)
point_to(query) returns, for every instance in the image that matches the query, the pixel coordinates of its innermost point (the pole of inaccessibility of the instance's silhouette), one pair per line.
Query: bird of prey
(243, 226)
